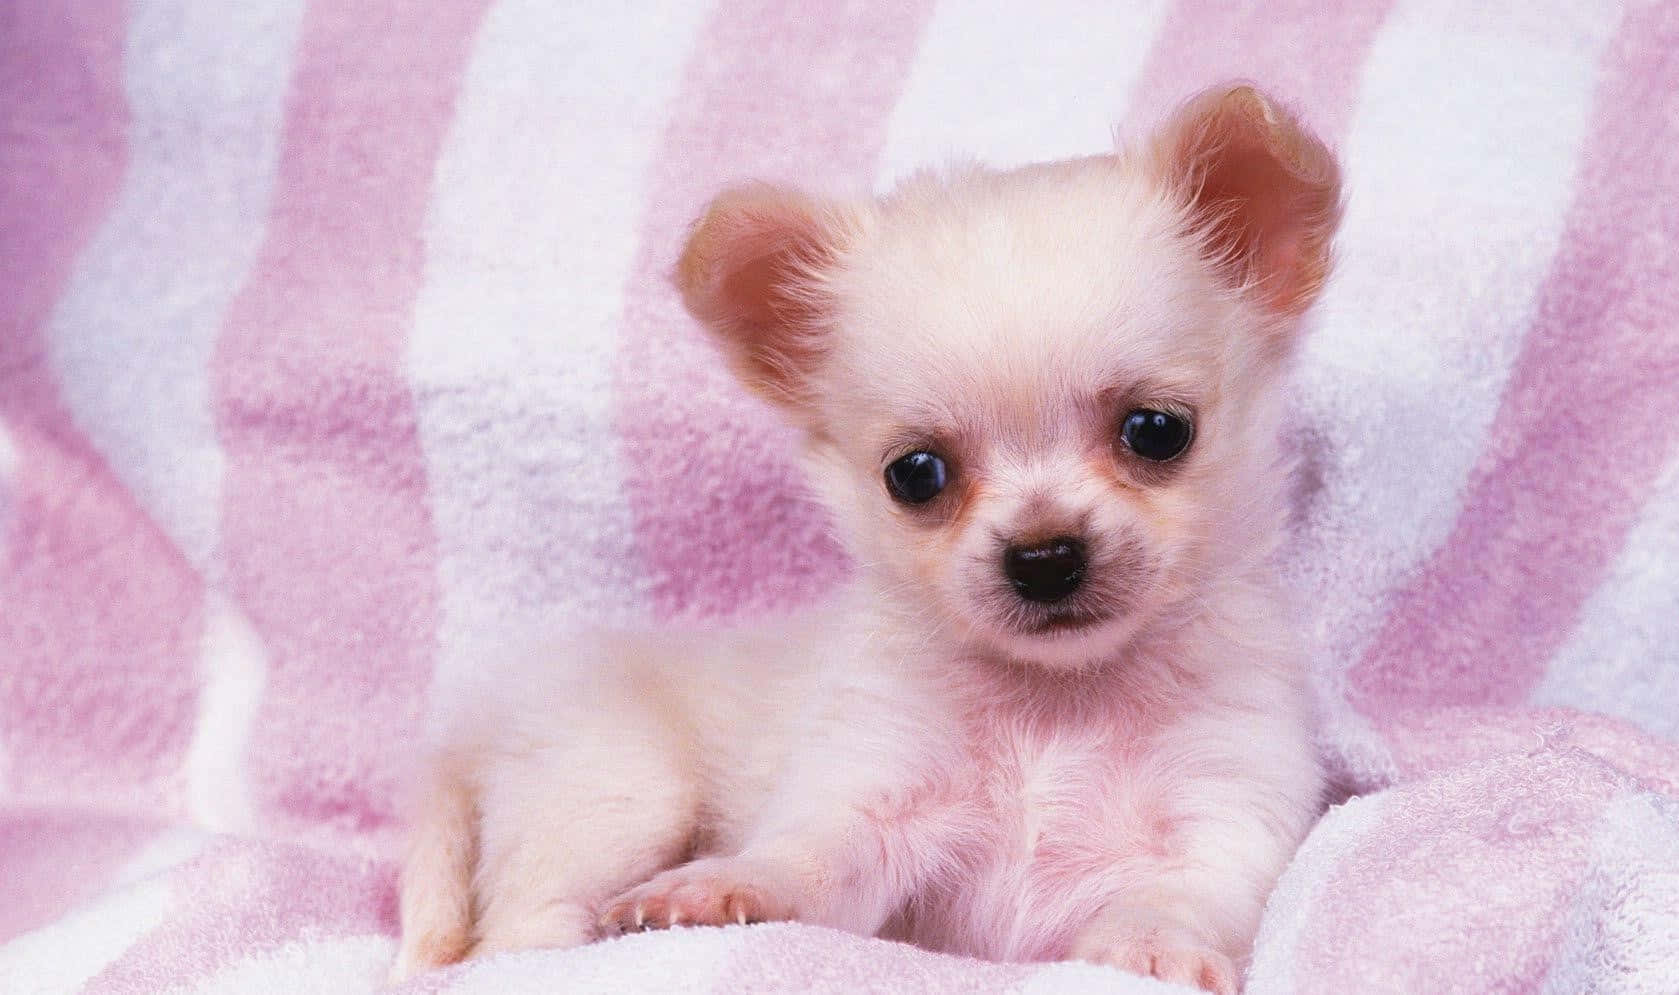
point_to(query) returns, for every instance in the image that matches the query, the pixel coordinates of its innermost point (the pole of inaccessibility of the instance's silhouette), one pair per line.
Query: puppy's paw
(419, 954)
(711, 892)
(1156, 946)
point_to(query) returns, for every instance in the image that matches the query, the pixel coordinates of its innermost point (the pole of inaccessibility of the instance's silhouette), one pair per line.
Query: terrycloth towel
(335, 342)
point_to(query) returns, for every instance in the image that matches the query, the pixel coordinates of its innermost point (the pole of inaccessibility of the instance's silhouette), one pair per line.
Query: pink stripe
(240, 900)
(1308, 54)
(798, 93)
(101, 615)
(57, 859)
(1425, 742)
(1464, 885)
(1584, 425)
(326, 532)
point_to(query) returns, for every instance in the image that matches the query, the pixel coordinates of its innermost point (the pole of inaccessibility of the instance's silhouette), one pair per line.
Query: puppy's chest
(1057, 820)
(1061, 798)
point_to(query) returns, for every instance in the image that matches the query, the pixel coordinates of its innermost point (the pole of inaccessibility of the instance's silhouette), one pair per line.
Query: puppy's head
(1042, 403)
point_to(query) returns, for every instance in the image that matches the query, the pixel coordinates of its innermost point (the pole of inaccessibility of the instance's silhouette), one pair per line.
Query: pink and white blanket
(334, 342)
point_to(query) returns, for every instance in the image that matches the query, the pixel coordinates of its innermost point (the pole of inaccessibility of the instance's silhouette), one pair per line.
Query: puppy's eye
(1155, 435)
(916, 478)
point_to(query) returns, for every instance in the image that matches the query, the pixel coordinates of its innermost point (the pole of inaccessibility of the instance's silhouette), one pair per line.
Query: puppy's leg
(436, 886)
(609, 800)
(1239, 795)
(834, 867)
(845, 837)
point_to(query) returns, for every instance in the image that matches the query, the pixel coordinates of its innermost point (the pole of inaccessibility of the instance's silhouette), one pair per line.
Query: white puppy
(1060, 711)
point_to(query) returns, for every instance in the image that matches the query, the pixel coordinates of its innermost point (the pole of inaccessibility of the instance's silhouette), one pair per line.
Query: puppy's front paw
(712, 892)
(1155, 946)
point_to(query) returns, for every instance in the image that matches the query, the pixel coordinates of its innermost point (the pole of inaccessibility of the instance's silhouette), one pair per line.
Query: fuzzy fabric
(335, 341)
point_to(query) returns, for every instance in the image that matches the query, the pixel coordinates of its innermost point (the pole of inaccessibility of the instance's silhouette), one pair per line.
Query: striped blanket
(335, 343)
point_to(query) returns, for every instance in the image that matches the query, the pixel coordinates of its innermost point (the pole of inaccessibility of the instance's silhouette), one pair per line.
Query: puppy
(1060, 712)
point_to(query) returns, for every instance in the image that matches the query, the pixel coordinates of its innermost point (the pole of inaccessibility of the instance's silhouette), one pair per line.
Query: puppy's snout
(1046, 572)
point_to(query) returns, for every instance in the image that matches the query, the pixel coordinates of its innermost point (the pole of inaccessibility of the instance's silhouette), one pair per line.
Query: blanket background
(334, 341)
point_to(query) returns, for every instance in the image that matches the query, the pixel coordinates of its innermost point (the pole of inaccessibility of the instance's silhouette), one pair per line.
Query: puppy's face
(1023, 410)
(1041, 403)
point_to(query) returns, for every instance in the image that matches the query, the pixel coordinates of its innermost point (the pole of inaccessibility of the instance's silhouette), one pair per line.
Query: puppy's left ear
(1263, 192)
(754, 272)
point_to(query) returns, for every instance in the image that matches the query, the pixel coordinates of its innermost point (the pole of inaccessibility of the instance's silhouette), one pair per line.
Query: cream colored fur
(925, 756)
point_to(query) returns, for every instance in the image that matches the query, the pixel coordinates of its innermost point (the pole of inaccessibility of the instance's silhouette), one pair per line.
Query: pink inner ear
(746, 273)
(1264, 213)
(1268, 188)
(760, 289)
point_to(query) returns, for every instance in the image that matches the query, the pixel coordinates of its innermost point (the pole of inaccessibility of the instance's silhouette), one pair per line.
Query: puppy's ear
(754, 273)
(1264, 193)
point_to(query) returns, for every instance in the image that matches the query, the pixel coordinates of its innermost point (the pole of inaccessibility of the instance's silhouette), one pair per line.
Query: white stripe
(65, 954)
(1623, 657)
(1460, 170)
(530, 239)
(1622, 929)
(166, 851)
(675, 960)
(1008, 84)
(8, 455)
(132, 337)
(232, 670)
(328, 964)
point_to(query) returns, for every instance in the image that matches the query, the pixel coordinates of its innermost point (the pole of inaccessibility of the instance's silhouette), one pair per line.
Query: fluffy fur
(1118, 776)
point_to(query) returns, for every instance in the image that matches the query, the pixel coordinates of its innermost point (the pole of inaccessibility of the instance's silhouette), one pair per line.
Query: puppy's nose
(1046, 572)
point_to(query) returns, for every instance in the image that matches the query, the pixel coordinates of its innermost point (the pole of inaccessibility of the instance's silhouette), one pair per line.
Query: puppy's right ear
(755, 273)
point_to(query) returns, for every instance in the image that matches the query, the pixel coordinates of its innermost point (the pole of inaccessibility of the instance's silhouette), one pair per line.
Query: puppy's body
(1059, 712)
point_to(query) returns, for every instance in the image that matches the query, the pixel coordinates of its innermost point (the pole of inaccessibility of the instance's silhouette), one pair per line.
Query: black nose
(1046, 572)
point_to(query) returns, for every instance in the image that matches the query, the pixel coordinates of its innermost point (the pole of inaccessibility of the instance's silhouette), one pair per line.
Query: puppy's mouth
(1066, 621)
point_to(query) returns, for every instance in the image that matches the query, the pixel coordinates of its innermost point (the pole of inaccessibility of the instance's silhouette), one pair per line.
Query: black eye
(1155, 435)
(916, 478)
